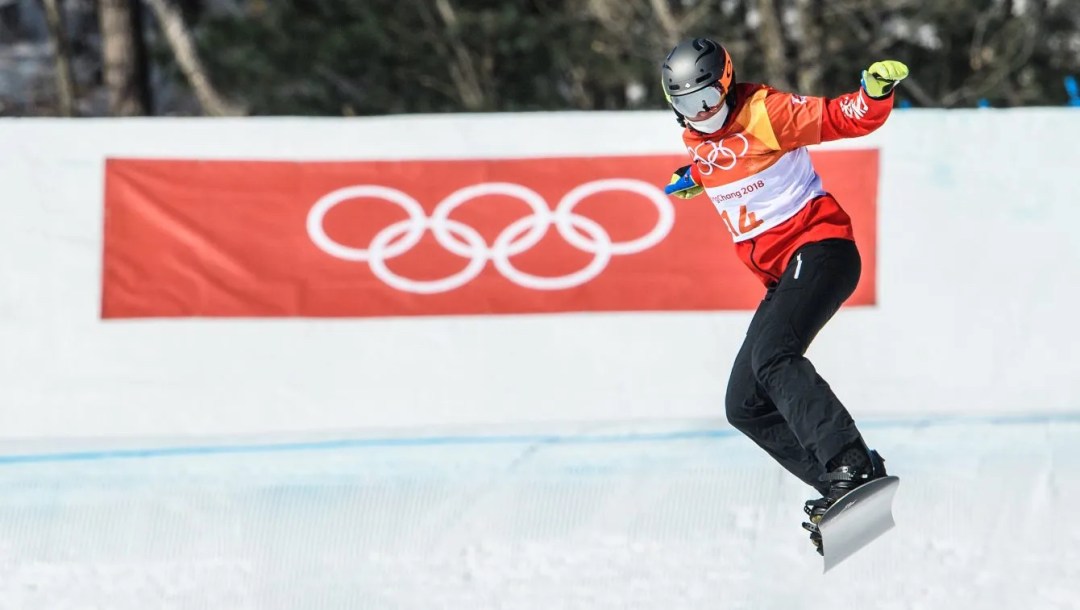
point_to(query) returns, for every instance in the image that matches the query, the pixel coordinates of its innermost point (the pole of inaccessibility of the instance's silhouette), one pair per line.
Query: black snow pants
(774, 394)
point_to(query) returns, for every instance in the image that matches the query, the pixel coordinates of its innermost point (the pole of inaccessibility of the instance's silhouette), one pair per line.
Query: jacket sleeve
(801, 121)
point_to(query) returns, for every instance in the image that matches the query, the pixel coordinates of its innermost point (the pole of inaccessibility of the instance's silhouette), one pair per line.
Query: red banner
(389, 238)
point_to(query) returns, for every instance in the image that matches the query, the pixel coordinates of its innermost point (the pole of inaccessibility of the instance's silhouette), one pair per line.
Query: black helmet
(701, 70)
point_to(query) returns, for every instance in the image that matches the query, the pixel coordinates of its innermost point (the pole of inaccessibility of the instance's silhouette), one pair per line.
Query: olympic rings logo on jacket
(717, 154)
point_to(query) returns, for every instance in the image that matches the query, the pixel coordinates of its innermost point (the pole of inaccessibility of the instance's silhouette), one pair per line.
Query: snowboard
(857, 519)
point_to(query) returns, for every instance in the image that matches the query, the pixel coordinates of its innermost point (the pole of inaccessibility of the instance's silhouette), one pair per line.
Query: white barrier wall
(978, 274)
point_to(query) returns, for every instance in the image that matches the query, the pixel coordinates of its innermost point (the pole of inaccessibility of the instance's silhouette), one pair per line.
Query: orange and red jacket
(757, 172)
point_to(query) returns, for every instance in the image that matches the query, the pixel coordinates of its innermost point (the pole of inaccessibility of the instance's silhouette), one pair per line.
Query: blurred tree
(123, 52)
(773, 43)
(65, 78)
(809, 39)
(331, 57)
(171, 20)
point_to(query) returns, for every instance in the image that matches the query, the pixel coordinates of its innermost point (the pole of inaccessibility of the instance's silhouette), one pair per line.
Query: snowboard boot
(854, 466)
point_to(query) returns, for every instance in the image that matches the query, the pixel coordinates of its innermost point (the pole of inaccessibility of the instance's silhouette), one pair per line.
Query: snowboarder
(747, 143)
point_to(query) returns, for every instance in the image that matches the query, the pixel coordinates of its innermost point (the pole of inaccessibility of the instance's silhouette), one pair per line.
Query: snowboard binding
(855, 466)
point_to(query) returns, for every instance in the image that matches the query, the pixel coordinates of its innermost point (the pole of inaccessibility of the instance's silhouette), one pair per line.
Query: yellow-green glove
(682, 184)
(879, 79)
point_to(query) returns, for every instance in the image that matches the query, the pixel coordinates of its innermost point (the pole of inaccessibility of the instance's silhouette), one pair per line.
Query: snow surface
(659, 517)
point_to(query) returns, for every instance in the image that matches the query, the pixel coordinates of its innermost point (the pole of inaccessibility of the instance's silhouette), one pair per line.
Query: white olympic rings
(460, 239)
(715, 149)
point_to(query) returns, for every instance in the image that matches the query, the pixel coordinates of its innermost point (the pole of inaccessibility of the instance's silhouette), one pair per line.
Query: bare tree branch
(667, 21)
(695, 14)
(183, 48)
(810, 48)
(866, 37)
(771, 41)
(463, 69)
(65, 79)
(120, 57)
(463, 72)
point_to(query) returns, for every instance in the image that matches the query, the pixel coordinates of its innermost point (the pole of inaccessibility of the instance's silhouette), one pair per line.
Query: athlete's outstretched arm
(802, 121)
(857, 114)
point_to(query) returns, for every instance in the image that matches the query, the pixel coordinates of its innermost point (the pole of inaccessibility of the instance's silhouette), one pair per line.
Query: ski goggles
(701, 104)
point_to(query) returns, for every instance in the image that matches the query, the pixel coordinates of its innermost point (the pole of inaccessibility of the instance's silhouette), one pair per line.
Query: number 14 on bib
(748, 221)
